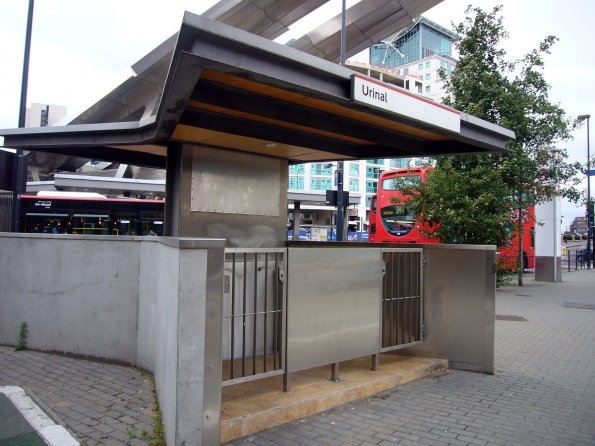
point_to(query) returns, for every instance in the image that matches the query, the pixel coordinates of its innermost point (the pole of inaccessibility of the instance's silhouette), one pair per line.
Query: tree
(472, 196)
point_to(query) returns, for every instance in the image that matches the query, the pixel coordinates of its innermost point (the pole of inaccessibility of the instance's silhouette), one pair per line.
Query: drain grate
(579, 305)
(509, 317)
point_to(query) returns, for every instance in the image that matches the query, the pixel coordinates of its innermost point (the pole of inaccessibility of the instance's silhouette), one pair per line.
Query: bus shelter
(225, 112)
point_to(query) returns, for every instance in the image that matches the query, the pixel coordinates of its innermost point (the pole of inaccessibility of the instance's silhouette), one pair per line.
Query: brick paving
(100, 404)
(543, 391)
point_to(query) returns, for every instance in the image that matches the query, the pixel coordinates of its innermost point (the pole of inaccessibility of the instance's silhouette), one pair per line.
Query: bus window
(397, 219)
(401, 183)
(47, 223)
(91, 224)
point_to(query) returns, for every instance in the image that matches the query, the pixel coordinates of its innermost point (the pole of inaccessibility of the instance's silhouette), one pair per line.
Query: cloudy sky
(83, 49)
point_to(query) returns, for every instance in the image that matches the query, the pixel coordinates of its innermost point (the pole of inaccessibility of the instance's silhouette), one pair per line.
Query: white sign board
(401, 102)
(319, 234)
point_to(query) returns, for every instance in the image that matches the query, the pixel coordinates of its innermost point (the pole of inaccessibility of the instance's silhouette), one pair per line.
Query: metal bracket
(282, 272)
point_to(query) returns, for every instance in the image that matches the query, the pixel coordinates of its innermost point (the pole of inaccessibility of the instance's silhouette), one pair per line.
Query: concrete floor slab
(258, 405)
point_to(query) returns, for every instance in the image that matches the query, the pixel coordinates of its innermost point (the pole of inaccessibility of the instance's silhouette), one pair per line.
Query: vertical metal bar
(401, 306)
(233, 314)
(275, 308)
(412, 298)
(244, 320)
(255, 317)
(266, 307)
(336, 372)
(394, 296)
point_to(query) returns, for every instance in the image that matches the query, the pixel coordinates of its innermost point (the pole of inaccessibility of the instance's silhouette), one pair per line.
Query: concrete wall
(459, 306)
(77, 294)
(146, 301)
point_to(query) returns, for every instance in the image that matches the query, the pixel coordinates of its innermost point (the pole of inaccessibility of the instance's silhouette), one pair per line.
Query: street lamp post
(18, 179)
(580, 119)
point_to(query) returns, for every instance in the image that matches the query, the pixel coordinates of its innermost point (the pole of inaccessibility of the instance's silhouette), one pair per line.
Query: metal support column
(296, 220)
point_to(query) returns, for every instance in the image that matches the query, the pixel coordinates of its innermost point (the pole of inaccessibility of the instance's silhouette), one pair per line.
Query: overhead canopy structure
(367, 23)
(266, 18)
(228, 88)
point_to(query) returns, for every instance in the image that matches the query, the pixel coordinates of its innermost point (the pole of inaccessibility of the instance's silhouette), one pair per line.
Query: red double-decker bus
(392, 221)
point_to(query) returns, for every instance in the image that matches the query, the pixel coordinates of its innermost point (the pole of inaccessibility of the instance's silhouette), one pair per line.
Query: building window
(296, 183)
(368, 200)
(376, 161)
(427, 76)
(420, 66)
(353, 169)
(427, 88)
(428, 64)
(43, 120)
(296, 168)
(371, 187)
(320, 169)
(353, 185)
(372, 172)
(405, 71)
(320, 184)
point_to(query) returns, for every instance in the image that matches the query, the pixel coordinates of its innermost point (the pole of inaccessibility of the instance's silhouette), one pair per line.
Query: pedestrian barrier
(253, 314)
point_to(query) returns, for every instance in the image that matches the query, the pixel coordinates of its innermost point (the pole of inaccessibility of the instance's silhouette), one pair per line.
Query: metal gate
(402, 299)
(254, 302)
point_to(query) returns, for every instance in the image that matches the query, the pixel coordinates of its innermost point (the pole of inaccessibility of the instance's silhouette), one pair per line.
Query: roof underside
(228, 88)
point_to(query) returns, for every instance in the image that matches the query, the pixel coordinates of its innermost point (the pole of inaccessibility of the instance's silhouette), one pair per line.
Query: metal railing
(253, 341)
(402, 299)
(575, 257)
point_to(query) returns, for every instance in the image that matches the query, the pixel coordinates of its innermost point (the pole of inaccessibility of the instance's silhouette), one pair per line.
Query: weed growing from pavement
(23, 333)
(156, 437)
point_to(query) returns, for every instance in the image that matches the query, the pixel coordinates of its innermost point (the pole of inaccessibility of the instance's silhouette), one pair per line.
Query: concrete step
(259, 405)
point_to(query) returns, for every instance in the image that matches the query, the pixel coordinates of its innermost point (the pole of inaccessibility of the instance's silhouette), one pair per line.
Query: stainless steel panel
(333, 305)
(211, 416)
(548, 269)
(239, 230)
(235, 183)
(459, 306)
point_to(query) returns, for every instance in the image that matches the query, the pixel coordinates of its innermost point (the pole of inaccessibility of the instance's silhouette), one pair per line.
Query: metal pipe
(19, 161)
(340, 214)
(255, 317)
(244, 309)
(266, 307)
(589, 206)
(233, 316)
(580, 119)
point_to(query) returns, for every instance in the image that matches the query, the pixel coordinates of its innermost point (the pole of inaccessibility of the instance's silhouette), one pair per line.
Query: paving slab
(542, 392)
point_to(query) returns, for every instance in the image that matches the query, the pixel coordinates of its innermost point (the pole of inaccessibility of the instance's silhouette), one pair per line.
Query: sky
(82, 49)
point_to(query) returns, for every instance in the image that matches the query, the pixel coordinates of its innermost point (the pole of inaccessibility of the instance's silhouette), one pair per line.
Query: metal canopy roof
(231, 89)
(367, 23)
(266, 18)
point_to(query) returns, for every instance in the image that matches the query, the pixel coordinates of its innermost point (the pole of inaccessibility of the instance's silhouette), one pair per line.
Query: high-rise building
(43, 115)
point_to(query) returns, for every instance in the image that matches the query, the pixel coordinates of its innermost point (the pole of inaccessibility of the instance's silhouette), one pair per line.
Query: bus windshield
(401, 182)
(397, 219)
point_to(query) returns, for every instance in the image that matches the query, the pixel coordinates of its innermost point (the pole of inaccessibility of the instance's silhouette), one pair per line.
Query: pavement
(543, 391)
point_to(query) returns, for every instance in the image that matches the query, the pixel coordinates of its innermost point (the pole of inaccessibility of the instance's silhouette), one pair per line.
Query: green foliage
(23, 334)
(471, 196)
